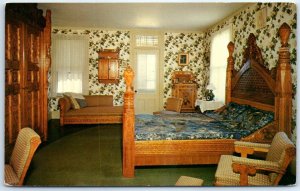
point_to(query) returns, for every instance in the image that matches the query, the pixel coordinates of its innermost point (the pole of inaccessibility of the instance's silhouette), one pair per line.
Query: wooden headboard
(255, 85)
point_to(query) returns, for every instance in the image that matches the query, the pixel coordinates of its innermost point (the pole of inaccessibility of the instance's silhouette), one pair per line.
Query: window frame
(54, 66)
(156, 53)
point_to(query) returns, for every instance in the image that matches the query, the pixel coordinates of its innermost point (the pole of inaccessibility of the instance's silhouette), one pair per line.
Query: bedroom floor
(90, 155)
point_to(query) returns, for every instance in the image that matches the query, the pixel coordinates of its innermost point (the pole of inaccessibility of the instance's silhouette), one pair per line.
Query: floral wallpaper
(197, 45)
(192, 44)
(101, 39)
(244, 23)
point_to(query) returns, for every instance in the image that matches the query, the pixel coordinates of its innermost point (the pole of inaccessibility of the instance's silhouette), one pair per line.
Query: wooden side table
(208, 105)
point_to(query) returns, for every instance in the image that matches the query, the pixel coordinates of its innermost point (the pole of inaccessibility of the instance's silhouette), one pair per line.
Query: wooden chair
(26, 144)
(173, 106)
(235, 171)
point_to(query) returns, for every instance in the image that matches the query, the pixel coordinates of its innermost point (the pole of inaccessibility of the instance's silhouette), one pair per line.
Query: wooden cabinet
(27, 60)
(108, 66)
(184, 87)
(188, 93)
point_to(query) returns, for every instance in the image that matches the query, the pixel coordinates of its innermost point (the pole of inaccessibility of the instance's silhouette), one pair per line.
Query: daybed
(99, 110)
(253, 85)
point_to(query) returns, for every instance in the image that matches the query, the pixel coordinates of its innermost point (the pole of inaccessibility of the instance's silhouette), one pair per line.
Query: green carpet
(93, 157)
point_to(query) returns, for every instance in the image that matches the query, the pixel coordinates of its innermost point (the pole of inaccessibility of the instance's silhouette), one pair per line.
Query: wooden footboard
(181, 152)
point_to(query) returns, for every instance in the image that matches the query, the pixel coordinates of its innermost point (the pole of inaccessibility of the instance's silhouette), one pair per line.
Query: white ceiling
(162, 16)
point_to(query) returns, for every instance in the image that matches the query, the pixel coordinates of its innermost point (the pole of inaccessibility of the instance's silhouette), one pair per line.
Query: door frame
(159, 48)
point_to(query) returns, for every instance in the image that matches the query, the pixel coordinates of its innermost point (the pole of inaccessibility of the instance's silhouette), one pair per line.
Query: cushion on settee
(73, 101)
(68, 104)
(82, 102)
(77, 100)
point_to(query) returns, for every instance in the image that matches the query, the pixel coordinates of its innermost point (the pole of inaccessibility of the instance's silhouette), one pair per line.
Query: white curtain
(218, 62)
(69, 70)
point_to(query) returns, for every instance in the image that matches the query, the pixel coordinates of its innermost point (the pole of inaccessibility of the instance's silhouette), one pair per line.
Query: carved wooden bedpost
(128, 126)
(230, 65)
(283, 111)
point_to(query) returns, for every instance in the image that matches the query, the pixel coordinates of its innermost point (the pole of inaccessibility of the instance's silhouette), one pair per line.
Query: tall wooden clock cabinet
(27, 61)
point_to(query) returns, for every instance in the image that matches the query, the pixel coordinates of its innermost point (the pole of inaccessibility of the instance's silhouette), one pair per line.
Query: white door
(146, 81)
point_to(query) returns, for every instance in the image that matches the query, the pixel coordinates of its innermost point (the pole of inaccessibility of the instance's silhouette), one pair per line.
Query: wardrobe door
(14, 32)
(27, 60)
(103, 70)
(113, 69)
(31, 108)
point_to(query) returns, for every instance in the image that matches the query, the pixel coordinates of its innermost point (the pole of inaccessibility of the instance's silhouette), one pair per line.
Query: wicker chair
(173, 106)
(235, 171)
(26, 144)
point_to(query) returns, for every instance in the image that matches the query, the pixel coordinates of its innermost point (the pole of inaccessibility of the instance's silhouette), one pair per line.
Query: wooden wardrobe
(27, 60)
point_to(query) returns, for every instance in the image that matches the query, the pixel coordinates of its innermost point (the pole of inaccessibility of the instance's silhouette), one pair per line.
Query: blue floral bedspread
(185, 126)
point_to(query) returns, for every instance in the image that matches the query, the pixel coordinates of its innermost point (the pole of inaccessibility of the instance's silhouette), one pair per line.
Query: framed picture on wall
(261, 18)
(183, 59)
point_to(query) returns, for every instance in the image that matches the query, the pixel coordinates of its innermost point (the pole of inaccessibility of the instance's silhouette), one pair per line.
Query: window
(146, 71)
(146, 41)
(218, 62)
(69, 68)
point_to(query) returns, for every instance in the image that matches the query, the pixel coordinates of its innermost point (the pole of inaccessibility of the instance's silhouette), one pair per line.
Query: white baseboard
(53, 115)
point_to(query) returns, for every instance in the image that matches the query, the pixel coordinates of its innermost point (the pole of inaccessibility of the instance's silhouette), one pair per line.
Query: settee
(98, 109)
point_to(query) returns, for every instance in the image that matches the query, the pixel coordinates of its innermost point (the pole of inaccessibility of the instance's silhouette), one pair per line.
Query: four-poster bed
(252, 85)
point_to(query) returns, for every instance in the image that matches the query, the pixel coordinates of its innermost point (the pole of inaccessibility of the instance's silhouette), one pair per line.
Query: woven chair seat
(10, 175)
(189, 181)
(226, 176)
(26, 144)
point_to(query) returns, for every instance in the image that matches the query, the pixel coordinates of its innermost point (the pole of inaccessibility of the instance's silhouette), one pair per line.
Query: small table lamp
(209, 94)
